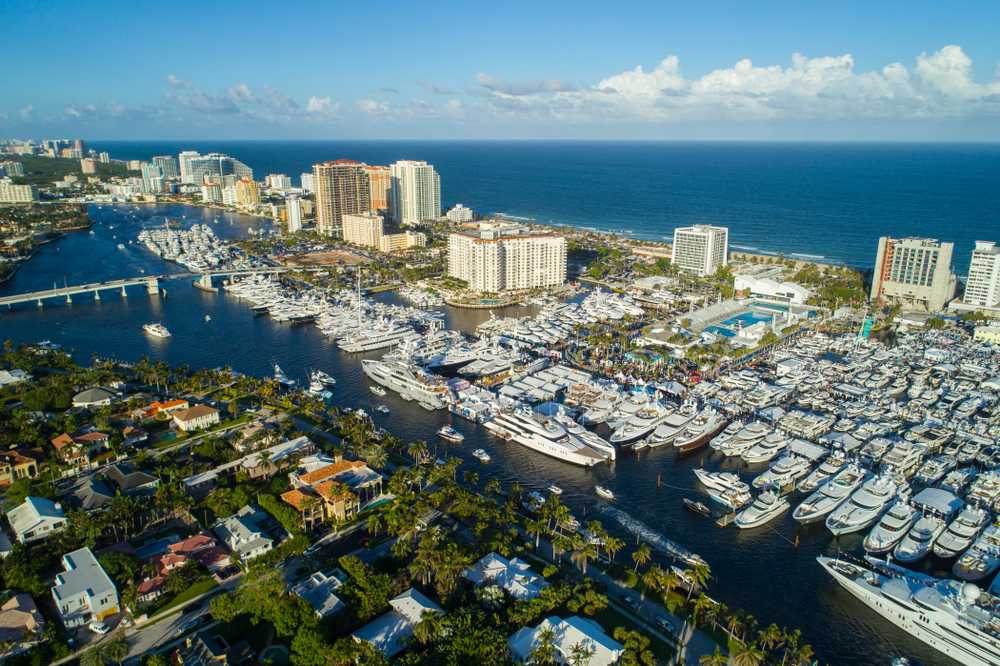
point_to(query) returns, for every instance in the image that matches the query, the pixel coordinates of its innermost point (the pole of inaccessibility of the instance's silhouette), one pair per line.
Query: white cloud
(321, 105)
(242, 93)
(435, 90)
(26, 112)
(500, 85)
(177, 84)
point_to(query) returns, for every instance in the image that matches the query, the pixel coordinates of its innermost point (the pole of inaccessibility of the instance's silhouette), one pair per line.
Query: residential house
(514, 575)
(203, 649)
(134, 435)
(387, 632)
(21, 625)
(253, 435)
(36, 519)
(266, 462)
(8, 377)
(129, 481)
(95, 397)
(569, 633)
(319, 588)
(364, 482)
(14, 466)
(154, 409)
(91, 495)
(203, 549)
(196, 418)
(246, 533)
(83, 592)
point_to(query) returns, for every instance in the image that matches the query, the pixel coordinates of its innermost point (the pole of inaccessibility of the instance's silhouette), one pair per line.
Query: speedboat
(821, 503)
(785, 471)
(377, 390)
(449, 433)
(555, 490)
(766, 507)
(982, 560)
(382, 409)
(766, 449)
(481, 455)
(604, 492)
(698, 507)
(325, 379)
(961, 532)
(865, 506)
(892, 528)
(159, 330)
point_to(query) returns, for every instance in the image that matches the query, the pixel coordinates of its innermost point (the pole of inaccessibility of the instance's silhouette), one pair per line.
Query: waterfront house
(514, 575)
(129, 481)
(21, 625)
(318, 590)
(155, 409)
(364, 482)
(569, 633)
(203, 649)
(36, 519)
(389, 632)
(246, 533)
(262, 463)
(14, 466)
(83, 592)
(95, 397)
(8, 377)
(196, 418)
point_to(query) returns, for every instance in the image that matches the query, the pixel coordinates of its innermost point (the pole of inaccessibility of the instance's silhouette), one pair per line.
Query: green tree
(95, 656)
(641, 556)
(118, 648)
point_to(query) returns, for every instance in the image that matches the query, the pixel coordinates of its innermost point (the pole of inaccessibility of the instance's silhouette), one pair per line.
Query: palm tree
(471, 477)
(580, 655)
(747, 654)
(95, 656)
(535, 529)
(717, 659)
(653, 578)
(702, 608)
(641, 556)
(802, 654)
(698, 576)
(429, 627)
(373, 525)
(582, 556)
(417, 449)
(613, 545)
(790, 641)
(545, 651)
(769, 637)
(118, 648)
(375, 457)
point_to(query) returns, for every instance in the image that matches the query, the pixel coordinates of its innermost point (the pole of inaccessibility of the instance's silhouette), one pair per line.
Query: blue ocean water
(826, 202)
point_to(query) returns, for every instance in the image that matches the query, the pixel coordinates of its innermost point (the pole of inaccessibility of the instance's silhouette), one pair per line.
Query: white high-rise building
(308, 184)
(184, 161)
(294, 208)
(168, 166)
(415, 192)
(229, 195)
(983, 285)
(278, 181)
(700, 249)
(499, 257)
(914, 272)
(211, 192)
(11, 193)
(363, 229)
(460, 214)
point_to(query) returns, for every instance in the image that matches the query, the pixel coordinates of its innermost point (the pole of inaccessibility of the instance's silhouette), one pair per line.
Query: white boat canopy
(937, 500)
(808, 450)
(841, 439)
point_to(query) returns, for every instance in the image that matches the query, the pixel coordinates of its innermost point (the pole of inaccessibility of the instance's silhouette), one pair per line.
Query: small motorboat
(482, 455)
(426, 405)
(449, 433)
(377, 390)
(698, 507)
(555, 490)
(382, 409)
(325, 379)
(604, 492)
(208, 318)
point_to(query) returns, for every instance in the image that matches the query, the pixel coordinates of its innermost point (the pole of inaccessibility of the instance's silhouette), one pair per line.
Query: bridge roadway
(152, 284)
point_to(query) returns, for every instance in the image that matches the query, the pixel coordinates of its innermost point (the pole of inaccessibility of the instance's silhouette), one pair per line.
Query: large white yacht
(961, 532)
(936, 507)
(767, 449)
(865, 507)
(982, 560)
(822, 474)
(745, 439)
(821, 503)
(934, 470)
(601, 408)
(642, 423)
(700, 430)
(408, 381)
(521, 426)
(725, 488)
(676, 423)
(376, 338)
(903, 459)
(627, 408)
(892, 528)
(784, 471)
(768, 506)
(953, 618)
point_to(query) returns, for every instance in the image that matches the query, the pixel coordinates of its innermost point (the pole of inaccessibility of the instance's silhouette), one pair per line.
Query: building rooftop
(83, 574)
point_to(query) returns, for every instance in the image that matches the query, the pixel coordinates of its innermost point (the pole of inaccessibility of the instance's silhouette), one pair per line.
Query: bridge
(152, 285)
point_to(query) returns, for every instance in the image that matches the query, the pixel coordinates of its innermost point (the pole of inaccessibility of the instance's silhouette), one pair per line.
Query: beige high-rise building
(88, 165)
(11, 193)
(247, 192)
(379, 183)
(341, 189)
(914, 272)
(505, 257)
(363, 229)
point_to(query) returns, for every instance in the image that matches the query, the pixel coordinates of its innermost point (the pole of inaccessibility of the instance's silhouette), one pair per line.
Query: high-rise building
(72, 153)
(915, 272)
(217, 165)
(88, 165)
(81, 146)
(247, 192)
(229, 196)
(308, 183)
(363, 229)
(499, 257)
(293, 207)
(415, 194)
(168, 166)
(184, 162)
(983, 285)
(211, 192)
(13, 168)
(460, 214)
(134, 165)
(278, 181)
(341, 189)
(379, 184)
(151, 171)
(11, 193)
(700, 249)
(104, 157)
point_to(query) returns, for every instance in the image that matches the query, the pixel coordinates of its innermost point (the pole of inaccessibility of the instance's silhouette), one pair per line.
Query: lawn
(168, 601)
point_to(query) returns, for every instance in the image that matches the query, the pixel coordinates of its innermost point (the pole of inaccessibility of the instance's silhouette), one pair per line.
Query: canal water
(759, 570)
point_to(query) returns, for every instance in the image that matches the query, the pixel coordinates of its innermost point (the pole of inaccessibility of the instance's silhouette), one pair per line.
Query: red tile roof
(330, 470)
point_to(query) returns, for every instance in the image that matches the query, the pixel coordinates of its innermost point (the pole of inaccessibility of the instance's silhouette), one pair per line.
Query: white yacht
(726, 435)
(865, 507)
(642, 423)
(408, 380)
(957, 480)
(985, 490)
(768, 506)
(784, 471)
(676, 423)
(159, 330)
(449, 433)
(903, 459)
(822, 474)
(918, 541)
(892, 528)
(767, 449)
(521, 426)
(601, 408)
(632, 403)
(376, 338)
(961, 532)
(946, 615)
(934, 470)
(821, 503)
(982, 560)
(700, 430)
(748, 437)
(725, 488)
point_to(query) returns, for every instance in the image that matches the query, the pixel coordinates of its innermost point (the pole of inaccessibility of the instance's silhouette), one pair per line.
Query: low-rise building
(244, 533)
(196, 418)
(763, 288)
(21, 625)
(36, 519)
(14, 466)
(319, 591)
(203, 649)
(95, 397)
(987, 334)
(389, 632)
(83, 592)
(514, 575)
(129, 481)
(568, 634)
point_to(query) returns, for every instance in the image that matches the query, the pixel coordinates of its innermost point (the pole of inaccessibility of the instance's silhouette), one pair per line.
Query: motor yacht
(725, 488)
(159, 330)
(627, 408)
(718, 480)
(675, 424)
(604, 492)
(981, 560)
(281, 378)
(984, 490)
(873, 451)
(934, 470)
(821, 503)
(601, 408)
(521, 425)
(642, 423)
(957, 481)
(893, 526)
(767, 449)
(865, 507)
(408, 380)
(918, 541)
(700, 430)
(961, 532)
(822, 474)
(749, 436)
(902, 459)
(555, 490)
(481, 455)
(726, 435)
(325, 379)
(768, 506)
(377, 390)
(784, 471)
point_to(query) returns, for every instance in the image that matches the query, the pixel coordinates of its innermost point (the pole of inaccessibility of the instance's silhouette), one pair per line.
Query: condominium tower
(983, 285)
(700, 249)
(293, 206)
(341, 189)
(499, 257)
(379, 184)
(216, 165)
(415, 194)
(914, 272)
(184, 162)
(168, 166)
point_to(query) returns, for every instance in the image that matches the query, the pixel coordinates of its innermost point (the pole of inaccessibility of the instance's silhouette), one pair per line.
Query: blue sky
(254, 70)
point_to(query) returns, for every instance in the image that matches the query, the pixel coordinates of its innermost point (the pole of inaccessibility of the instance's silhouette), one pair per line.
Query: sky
(887, 70)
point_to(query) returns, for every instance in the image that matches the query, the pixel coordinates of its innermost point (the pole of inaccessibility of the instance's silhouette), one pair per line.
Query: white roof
(568, 633)
(34, 513)
(385, 632)
(514, 575)
(939, 500)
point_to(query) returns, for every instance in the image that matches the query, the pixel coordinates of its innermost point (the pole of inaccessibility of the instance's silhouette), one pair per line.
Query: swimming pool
(744, 320)
(725, 332)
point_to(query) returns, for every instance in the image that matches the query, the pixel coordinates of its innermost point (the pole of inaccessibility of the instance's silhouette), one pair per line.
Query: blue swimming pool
(725, 332)
(744, 320)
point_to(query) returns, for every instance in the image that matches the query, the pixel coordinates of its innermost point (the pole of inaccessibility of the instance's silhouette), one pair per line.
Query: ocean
(825, 202)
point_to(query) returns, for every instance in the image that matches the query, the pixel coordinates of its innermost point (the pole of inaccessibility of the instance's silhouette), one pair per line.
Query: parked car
(662, 623)
(364, 541)
(301, 570)
(99, 628)
(193, 607)
(191, 624)
(630, 602)
(311, 549)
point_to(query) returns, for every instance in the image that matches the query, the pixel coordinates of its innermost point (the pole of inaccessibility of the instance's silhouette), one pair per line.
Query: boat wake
(808, 256)
(653, 538)
(740, 247)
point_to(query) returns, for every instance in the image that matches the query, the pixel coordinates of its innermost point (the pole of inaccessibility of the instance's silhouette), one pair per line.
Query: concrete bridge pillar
(124, 293)
(97, 295)
(69, 299)
(206, 281)
(39, 302)
(153, 286)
